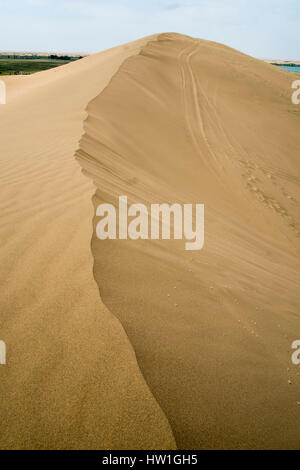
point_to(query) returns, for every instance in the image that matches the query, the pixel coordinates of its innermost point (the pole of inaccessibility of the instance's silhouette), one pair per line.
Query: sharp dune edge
(190, 121)
(170, 119)
(71, 380)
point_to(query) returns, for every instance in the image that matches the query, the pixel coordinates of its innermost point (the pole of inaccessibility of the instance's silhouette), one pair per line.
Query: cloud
(263, 28)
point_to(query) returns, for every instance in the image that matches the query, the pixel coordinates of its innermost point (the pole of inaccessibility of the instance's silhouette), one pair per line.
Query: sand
(138, 345)
(197, 122)
(71, 379)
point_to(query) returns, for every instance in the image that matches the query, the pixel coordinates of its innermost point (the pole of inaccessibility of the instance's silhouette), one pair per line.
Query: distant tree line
(63, 57)
(286, 65)
(36, 57)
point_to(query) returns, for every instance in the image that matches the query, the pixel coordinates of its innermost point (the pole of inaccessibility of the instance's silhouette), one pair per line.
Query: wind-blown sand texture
(71, 380)
(170, 119)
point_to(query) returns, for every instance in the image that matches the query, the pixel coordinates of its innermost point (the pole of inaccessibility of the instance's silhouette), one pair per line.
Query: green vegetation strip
(25, 65)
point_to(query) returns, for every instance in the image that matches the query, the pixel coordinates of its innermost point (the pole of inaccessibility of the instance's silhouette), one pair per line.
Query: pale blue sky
(262, 28)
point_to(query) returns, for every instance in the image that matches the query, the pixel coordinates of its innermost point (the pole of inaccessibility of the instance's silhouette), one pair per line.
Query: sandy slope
(72, 380)
(193, 121)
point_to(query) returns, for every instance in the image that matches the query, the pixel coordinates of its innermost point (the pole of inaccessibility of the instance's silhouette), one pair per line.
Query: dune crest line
(71, 379)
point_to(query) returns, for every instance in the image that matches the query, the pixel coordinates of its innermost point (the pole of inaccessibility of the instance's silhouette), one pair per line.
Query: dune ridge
(71, 379)
(188, 120)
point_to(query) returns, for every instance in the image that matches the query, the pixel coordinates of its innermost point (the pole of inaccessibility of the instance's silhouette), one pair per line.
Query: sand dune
(178, 345)
(194, 121)
(71, 379)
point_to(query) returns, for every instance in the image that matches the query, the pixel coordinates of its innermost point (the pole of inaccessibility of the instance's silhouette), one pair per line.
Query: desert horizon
(150, 250)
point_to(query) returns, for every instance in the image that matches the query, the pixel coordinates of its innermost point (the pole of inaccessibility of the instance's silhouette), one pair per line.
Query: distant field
(26, 66)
